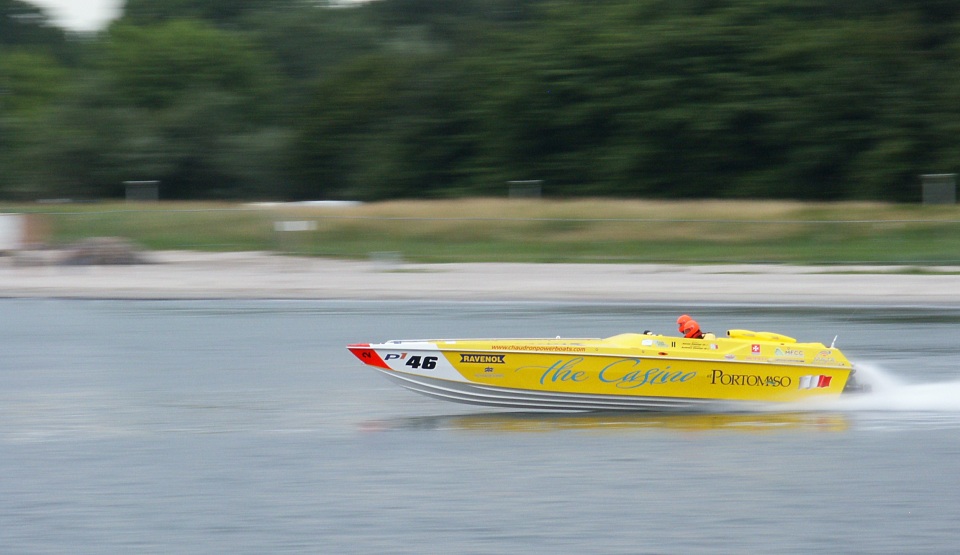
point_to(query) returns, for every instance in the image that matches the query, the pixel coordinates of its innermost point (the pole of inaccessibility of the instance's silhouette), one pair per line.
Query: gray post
(142, 191)
(530, 188)
(939, 188)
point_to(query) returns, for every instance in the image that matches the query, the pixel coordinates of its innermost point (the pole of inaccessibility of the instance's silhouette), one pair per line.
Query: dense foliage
(296, 99)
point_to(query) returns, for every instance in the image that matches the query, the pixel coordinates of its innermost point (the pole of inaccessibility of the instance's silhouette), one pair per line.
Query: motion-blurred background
(310, 99)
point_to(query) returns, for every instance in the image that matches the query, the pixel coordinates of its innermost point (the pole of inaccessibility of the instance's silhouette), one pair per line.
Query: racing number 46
(427, 363)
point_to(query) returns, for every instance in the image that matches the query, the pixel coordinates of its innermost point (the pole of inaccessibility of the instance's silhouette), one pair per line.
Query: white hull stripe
(465, 392)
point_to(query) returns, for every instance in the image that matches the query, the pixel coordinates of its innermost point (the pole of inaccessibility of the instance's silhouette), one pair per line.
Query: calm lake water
(247, 427)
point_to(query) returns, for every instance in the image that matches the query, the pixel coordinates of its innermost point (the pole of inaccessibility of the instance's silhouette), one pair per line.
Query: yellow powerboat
(626, 372)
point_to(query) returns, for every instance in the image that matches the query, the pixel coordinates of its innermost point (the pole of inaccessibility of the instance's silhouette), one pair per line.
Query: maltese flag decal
(814, 382)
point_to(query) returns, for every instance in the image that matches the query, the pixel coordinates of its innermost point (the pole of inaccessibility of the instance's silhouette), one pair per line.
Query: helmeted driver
(689, 327)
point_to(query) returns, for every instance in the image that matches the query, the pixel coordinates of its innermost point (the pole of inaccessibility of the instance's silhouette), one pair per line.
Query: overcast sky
(81, 15)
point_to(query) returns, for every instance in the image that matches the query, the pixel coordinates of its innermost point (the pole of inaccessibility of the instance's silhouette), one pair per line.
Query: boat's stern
(854, 385)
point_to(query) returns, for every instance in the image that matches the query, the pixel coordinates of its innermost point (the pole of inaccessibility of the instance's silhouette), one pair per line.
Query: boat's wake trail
(889, 393)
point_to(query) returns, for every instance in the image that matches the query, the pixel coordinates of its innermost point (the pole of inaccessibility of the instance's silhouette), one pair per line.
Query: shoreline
(183, 275)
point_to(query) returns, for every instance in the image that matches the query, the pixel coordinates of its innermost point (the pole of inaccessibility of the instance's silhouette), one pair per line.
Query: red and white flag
(814, 382)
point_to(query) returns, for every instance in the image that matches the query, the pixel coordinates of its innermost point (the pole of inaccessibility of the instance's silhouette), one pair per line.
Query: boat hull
(629, 372)
(527, 399)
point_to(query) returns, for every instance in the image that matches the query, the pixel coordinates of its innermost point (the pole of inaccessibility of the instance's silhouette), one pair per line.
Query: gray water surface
(247, 427)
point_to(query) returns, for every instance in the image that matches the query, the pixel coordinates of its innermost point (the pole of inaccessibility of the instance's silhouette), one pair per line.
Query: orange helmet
(681, 321)
(692, 329)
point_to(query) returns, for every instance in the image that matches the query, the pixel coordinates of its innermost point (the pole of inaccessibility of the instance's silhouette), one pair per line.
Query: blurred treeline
(296, 99)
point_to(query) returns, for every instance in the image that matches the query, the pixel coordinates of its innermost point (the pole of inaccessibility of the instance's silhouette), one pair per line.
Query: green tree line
(298, 99)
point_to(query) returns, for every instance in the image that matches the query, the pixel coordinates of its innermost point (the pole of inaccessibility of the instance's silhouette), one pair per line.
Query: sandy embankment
(192, 275)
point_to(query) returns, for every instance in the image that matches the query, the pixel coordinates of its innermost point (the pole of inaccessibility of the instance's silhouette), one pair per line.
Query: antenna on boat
(834, 342)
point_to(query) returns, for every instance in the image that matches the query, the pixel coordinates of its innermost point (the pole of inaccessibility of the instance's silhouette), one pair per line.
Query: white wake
(889, 393)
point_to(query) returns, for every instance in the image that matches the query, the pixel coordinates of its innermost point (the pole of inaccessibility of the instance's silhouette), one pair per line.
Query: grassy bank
(501, 230)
